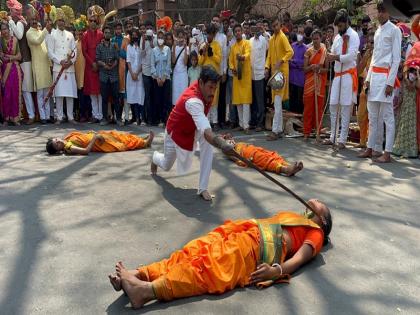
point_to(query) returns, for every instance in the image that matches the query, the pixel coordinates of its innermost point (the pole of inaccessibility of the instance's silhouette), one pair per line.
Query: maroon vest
(180, 124)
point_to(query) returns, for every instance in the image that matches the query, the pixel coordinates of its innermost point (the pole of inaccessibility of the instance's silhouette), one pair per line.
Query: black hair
(330, 27)
(179, 31)
(107, 27)
(316, 31)
(327, 226)
(265, 21)
(193, 54)
(211, 29)
(118, 24)
(286, 14)
(208, 73)
(380, 6)
(129, 21)
(246, 23)
(308, 31)
(134, 30)
(50, 147)
(366, 19)
(215, 15)
(293, 37)
(148, 23)
(341, 17)
(236, 26)
(5, 25)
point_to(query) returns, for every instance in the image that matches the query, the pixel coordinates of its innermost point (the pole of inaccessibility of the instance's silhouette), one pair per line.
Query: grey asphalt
(66, 220)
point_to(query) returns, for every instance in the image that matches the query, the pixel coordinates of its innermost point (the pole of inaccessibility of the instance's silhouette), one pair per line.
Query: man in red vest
(188, 124)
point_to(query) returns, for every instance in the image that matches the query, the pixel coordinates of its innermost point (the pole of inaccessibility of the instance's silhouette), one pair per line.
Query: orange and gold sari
(267, 160)
(114, 141)
(224, 258)
(315, 86)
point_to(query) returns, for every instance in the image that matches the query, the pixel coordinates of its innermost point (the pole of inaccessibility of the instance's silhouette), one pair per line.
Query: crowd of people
(56, 68)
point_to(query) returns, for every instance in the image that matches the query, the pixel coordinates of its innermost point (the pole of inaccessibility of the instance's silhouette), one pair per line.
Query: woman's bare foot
(115, 281)
(139, 292)
(149, 139)
(205, 195)
(291, 170)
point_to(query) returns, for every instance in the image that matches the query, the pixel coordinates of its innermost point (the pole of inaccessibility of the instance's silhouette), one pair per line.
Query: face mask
(299, 37)
(412, 77)
(160, 41)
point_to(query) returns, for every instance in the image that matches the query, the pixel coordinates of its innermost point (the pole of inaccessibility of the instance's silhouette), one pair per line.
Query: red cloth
(309, 113)
(180, 124)
(90, 40)
(305, 235)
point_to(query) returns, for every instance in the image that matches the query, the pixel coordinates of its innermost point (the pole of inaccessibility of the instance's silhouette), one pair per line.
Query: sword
(252, 165)
(51, 90)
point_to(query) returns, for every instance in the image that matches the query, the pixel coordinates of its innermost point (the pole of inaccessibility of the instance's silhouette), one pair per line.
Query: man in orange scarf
(235, 254)
(316, 68)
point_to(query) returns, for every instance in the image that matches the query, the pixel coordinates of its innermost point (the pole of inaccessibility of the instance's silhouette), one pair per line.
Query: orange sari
(267, 160)
(114, 141)
(224, 258)
(315, 86)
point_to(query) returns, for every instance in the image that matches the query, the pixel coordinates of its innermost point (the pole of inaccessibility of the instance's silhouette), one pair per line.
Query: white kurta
(222, 40)
(342, 86)
(386, 54)
(60, 45)
(134, 89)
(180, 74)
(259, 49)
(173, 152)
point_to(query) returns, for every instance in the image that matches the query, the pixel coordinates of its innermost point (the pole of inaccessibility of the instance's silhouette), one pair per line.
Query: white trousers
(126, 110)
(243, 115)
(29, 103)
(170, 154)
(379, 113)
(212, 115)
(44, 111)
(59, 107)
(278, 115)
(96, 101)
(346, 111)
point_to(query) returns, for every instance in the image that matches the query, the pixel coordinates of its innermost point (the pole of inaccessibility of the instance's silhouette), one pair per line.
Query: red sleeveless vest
(180, 125)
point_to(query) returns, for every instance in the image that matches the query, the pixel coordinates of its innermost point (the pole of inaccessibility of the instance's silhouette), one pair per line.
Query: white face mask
(299, 37)
(160, 41)
(412, 77)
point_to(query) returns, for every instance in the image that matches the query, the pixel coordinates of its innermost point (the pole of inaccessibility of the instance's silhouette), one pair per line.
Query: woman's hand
(264, 272)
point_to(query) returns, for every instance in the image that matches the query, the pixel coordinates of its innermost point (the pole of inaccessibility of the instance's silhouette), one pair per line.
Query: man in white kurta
(62, 52)
(344, 86)
(380, 82)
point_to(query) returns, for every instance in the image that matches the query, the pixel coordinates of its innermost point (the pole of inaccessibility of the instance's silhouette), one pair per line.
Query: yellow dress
(214, 61)
(114, 141)
(279, 49)
(242, 89)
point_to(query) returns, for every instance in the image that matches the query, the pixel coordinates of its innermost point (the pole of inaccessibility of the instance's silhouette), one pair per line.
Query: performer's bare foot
(139, 292)
(384, 158)
(115, 281)
(149, 139)
(153, 168)
(205, 195)
(365, 154)
(291, 170)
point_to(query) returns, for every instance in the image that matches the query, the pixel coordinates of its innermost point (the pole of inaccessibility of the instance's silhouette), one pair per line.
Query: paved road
(65, 221)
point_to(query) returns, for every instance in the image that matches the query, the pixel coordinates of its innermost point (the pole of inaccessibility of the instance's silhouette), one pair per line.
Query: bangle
(279, 266)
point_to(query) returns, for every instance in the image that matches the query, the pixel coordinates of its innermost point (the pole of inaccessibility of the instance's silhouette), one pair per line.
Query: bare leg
(139, 292)
(291, 170)
(149, 139)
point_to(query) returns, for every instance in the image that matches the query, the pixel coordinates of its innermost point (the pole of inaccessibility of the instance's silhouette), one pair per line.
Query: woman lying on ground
(82, 143)
(236, 254)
